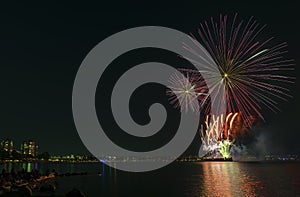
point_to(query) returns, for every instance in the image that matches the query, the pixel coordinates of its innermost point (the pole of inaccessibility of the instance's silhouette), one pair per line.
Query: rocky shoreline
(22, 183)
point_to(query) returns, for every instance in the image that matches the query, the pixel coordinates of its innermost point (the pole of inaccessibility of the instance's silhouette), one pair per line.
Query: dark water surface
(179, 179)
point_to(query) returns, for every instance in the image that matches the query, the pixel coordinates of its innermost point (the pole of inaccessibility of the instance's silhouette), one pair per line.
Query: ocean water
(179, 179)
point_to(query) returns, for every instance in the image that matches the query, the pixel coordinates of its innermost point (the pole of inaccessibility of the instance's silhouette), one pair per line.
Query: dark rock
(47, 187)
(74, 193)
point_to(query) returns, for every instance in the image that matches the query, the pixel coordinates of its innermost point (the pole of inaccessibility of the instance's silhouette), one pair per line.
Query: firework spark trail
(210, 134)
(232, 119)
(251, 69)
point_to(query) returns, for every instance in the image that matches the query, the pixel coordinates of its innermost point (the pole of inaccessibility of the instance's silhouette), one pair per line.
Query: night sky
(42, 47)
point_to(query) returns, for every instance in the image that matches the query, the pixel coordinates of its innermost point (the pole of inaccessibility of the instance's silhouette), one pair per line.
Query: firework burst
(185, 91)
(252, 70)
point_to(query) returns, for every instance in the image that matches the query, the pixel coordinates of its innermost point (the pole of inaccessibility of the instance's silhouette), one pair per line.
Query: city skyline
(27, 147)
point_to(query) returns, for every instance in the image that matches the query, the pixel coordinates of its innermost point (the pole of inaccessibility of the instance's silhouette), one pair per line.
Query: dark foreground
(24, 183)
(178, 179)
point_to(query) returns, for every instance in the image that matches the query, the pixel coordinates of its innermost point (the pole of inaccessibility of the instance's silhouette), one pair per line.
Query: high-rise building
(29, 147)
(7, 145)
